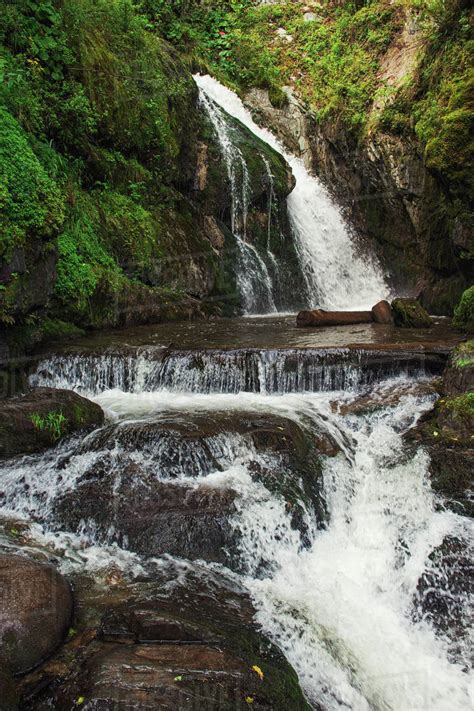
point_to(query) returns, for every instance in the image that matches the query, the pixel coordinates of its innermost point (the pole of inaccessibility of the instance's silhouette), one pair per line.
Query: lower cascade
(287, 475)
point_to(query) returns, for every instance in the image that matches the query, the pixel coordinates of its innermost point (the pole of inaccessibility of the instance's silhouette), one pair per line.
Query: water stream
(332, 558)
(338, 594)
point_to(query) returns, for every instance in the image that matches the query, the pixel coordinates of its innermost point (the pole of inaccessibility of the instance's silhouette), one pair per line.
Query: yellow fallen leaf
(258, 671)
(80, 700)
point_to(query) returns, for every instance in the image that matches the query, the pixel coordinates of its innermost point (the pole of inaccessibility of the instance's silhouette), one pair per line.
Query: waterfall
(340, 599)
(336, 275)
(272, 372)
(253, 278)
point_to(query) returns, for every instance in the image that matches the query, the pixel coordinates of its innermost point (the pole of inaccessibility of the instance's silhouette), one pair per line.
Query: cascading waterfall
(260, 371)
(253, 277)
(336, 276)
(341, 601)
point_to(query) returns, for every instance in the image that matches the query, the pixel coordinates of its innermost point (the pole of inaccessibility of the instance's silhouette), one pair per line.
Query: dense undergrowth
(91, 125)
(94, 118)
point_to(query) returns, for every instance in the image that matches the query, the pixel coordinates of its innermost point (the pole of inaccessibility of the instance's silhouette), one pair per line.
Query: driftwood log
(318, 317)
(381, 313)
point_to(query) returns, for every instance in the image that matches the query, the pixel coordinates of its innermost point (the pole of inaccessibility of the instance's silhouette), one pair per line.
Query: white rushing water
(336, 275)
(340, 604)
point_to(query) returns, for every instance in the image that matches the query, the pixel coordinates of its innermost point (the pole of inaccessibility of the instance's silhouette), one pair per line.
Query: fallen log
(319, 317)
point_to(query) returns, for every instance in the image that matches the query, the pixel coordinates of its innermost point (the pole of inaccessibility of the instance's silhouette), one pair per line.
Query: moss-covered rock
(464, 312)
(41, 418)
(409, 313)
(455, 418)
(447, 434)
(458, 378)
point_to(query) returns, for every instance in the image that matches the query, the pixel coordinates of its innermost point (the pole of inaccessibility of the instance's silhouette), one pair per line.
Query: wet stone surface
(185, 638)
(147, 488)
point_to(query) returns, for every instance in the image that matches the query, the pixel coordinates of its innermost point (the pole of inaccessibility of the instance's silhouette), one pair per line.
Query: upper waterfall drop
(335, 275)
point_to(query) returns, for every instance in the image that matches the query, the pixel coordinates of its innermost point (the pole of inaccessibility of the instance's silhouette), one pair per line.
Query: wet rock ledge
(183, 640)
(32, 422)
(448, 432)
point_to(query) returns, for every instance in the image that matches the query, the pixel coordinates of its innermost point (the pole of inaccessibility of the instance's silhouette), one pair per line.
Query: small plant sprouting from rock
(53, 423)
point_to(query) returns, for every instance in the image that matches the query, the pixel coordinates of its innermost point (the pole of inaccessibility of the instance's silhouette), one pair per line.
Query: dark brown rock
(444, 589)
(164, 676)
(319, 317)
(382, 313)
(177, 641)
(452, 476)
(151, 517)
(409, 313)
(35, 611)
(458, 377)
(382, 397)
(41, 418)
(154, 517)
(8, 692)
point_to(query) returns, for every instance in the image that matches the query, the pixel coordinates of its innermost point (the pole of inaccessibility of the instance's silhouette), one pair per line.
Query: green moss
(30, 202)
(461, 406)
(99, 115)
(55, 329)
(464, 312)
(408, 313)
(453, 421)
(463, 355)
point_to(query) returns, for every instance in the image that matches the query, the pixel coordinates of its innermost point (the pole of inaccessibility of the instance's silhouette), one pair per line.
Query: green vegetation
(464, 312)
(55, 329)
(30, 201)
(461, 406)
(97, 109)
(54, 424)
(408, 313)
(92, 102)
(334, 60)
(463, 355)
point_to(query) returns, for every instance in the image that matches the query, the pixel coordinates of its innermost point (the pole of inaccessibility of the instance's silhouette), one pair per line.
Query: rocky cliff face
(394, 202)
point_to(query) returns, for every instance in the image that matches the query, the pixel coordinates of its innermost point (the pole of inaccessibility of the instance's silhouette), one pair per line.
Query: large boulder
(182, 640)
(35, 611)
(33, 422)
(409, 313)
(151, 517)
